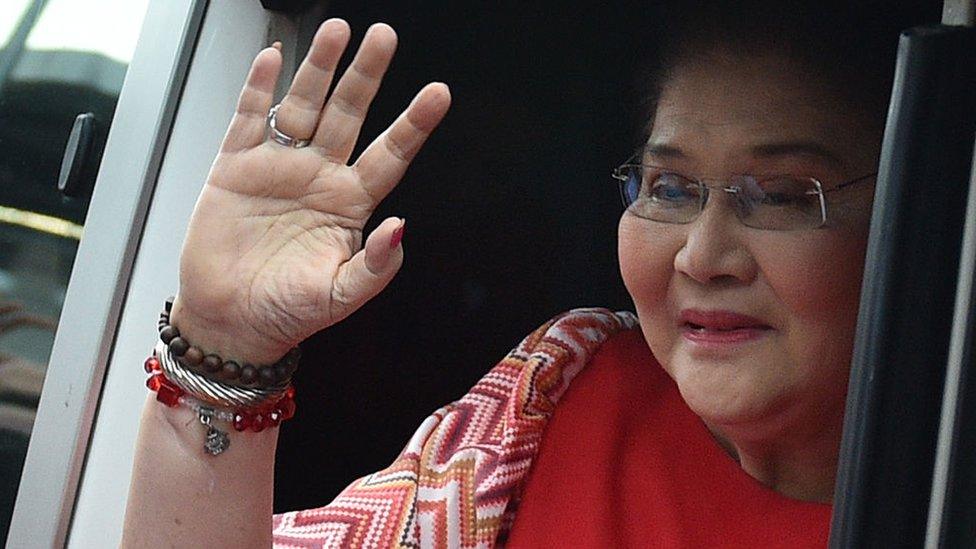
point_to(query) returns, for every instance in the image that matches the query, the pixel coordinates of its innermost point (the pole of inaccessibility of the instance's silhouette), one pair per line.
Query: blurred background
(58, 59)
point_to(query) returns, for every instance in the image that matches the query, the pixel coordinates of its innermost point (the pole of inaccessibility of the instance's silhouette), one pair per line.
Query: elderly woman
(711, 418)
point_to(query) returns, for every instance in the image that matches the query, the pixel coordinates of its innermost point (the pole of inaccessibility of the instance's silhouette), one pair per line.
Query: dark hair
(850, 47)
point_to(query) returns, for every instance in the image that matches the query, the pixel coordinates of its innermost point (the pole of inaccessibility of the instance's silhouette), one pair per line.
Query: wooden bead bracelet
(225, 371)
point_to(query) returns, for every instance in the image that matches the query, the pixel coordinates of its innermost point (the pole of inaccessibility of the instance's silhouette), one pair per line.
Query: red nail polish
(397, 235)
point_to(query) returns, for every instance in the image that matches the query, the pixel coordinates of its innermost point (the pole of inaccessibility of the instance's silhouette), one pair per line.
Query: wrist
(245, 409)
(184, 424)
(232, 343)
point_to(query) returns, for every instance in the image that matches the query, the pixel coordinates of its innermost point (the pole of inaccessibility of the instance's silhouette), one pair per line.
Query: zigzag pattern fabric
(457, 482)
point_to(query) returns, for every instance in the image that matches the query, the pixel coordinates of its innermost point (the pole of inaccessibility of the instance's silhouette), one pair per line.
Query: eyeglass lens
(778, 203)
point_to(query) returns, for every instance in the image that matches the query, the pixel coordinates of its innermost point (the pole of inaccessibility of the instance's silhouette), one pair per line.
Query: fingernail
(397, 235)
(276, 45)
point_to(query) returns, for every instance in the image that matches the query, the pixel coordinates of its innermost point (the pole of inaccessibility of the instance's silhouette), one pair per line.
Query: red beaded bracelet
(254, 419)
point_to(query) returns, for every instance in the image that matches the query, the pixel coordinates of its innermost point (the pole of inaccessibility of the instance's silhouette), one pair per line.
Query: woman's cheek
(818, 280)
(818, 285)
(644, 267)
(647, 266)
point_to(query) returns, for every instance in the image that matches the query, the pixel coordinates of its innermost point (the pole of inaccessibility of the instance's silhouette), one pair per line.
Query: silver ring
(281, 137)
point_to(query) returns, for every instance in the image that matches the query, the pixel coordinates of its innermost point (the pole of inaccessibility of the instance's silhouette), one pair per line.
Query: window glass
(12, 14)
(58, 59)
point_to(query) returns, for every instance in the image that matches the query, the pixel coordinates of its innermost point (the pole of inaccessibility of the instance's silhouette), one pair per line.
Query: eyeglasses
(771, 202)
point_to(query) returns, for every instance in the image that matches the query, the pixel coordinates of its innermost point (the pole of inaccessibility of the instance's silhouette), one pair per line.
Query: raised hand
(274, 251)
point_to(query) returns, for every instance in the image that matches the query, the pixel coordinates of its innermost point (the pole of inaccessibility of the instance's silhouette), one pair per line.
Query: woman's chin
(729, 390)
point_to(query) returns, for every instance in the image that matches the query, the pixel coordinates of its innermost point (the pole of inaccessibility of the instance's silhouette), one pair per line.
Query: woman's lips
(720, 328)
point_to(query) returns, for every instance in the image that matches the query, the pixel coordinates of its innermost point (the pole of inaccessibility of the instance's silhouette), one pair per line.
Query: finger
(302, 105)
(369, 270)
(247, 127)
(383, 163)
(345, 111)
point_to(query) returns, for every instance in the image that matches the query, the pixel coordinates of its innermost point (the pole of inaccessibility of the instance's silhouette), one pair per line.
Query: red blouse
(625, 463)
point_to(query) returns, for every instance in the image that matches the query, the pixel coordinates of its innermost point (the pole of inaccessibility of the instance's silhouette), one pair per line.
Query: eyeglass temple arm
(852, 182)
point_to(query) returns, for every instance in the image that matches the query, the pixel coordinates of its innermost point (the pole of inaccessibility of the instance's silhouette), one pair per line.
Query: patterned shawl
(457, 481)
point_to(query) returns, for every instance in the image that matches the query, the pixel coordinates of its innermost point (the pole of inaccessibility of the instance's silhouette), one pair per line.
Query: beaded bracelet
(270, 414)
(210, 391)
(228, 372)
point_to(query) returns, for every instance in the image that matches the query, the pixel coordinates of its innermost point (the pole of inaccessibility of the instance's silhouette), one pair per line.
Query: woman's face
(787, 368)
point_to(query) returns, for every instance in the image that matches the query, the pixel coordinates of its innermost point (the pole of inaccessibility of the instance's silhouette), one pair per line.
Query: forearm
(181, 496)
(273, 253)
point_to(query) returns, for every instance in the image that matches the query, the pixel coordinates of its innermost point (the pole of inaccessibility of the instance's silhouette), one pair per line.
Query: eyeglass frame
(622, 178)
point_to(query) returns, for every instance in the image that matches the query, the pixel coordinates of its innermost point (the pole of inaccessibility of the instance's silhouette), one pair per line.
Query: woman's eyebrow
(773, 149)
(797, 148)
(662, 150)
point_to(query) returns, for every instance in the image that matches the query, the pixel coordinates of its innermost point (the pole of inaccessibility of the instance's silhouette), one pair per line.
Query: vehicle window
(58, 59)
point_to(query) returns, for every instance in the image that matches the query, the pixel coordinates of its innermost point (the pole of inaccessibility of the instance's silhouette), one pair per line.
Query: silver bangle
(213, 392)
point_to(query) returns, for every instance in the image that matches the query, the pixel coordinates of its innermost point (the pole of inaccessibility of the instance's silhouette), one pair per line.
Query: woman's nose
(715, 249)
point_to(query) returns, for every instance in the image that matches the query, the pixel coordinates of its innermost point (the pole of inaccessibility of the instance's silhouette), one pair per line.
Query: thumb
(369, 270)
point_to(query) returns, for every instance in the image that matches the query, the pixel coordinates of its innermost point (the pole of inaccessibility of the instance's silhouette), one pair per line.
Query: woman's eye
(779, 199)
(785, 192)
(671, 189)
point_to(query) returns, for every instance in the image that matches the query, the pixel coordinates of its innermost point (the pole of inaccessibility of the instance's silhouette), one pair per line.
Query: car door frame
(96, 289)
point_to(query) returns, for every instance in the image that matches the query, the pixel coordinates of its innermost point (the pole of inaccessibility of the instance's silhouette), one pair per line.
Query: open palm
(274, 250)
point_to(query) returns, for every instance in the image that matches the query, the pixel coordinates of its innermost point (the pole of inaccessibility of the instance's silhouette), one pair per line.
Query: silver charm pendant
(217, 440)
